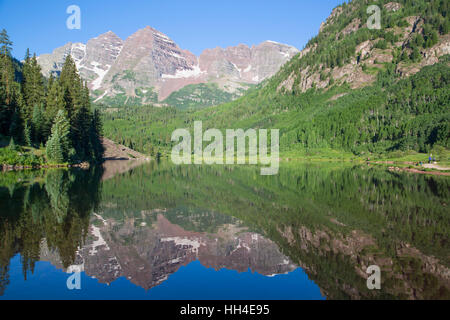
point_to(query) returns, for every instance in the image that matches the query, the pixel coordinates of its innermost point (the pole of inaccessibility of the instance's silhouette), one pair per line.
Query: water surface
(160, 231)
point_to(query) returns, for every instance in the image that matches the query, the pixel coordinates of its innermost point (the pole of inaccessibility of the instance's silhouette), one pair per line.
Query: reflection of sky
(191, 282)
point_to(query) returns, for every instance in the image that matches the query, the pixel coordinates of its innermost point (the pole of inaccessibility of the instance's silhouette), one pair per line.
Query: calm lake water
(158, 231)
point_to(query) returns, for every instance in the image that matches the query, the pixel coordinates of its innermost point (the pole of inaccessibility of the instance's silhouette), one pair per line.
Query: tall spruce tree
(9, 95)
(32, 85)
(27, 135)
(71, 83)
(54, 101)
(58, 147)
(38, 124)
(95, 137)
(16, 127)
(5, 43)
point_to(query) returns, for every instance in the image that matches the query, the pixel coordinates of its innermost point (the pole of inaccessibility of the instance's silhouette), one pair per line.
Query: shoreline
(8, 167)
(414, 170)
(388, 164)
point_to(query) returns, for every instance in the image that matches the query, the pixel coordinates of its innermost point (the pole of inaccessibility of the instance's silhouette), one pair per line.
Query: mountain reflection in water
(332, 221)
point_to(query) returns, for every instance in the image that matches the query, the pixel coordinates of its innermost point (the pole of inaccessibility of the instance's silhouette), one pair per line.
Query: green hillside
(195, 96)
(141, 96)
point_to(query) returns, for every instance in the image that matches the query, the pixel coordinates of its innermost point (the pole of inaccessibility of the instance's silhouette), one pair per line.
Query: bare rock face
(251, 65)
(149, 61)
(393, 6)
(52, 63)
(100, 55)
(145, 57)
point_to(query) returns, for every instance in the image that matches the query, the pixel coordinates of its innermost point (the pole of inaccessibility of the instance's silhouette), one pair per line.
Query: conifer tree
(5, 43)
(16, 128)
(39, 125)
(58, 147)
(12, 145)
(28, 135)
(32, 85)
(70, 82)
(54, 101)
(6, 78)
(95, 134)
(7, 85)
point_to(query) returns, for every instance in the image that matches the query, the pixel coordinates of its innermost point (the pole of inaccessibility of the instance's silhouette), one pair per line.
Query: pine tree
(58, 147)
(32, 85)
(38, 121)
(5, 43)
(7, 85)
(6, 75)
(95, 134)
(54, 102)
(80, 132)
(81, 123)
(71, 83)
(28, 135)
(12, 145)
(16, 127)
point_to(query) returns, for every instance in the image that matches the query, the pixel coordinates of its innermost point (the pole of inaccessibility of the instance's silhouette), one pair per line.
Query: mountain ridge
(148, 66)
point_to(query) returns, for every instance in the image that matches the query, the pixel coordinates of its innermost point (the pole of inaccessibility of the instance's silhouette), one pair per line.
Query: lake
(159, 231)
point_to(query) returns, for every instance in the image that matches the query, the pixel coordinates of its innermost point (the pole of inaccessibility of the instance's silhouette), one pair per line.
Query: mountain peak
(148, 29)
(108, 34)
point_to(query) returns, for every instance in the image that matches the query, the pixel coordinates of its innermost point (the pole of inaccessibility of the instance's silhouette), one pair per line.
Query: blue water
(193, 281)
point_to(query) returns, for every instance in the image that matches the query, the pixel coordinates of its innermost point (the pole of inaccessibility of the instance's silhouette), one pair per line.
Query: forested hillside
(196, 96)
(45, 120)
(352, 89)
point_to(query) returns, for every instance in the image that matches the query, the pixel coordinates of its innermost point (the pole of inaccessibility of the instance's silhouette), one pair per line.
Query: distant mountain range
(148, 67)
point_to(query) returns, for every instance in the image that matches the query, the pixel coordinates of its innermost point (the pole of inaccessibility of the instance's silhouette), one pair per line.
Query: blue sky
(194, 25)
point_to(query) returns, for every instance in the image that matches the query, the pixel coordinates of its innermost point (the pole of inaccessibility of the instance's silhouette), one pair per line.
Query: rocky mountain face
(93, 59)
(148, 66)
(325, 60)
(148, 255)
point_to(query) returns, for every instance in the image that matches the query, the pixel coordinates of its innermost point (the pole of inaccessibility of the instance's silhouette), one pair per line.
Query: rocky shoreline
(113, 151)
(413, 170)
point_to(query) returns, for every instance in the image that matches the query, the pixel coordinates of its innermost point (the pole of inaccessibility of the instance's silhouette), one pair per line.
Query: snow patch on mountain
(97, 83)
(185, 73)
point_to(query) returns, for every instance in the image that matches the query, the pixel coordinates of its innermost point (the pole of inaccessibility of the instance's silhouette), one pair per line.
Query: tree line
(55, 112)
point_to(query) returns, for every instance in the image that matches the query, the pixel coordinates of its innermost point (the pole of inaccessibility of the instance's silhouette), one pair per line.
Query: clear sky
(194, 25)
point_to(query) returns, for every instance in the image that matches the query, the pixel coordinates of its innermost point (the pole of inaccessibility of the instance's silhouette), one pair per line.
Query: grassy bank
(14, 157)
